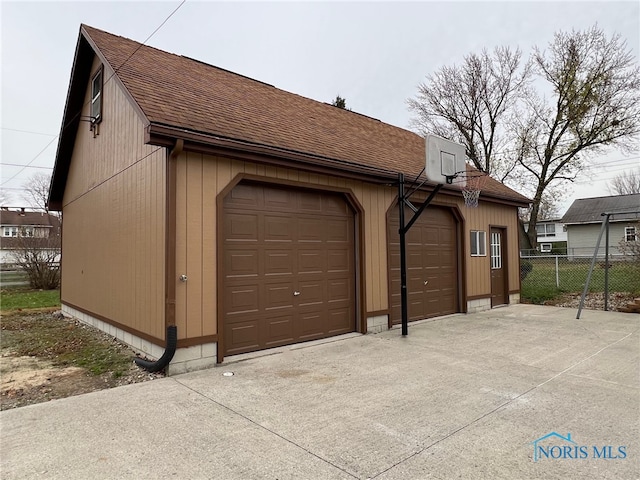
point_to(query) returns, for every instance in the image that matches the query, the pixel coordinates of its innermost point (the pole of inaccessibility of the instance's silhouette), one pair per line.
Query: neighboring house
(248, 217)
(584, 220)
(21, 229)
(551, 238)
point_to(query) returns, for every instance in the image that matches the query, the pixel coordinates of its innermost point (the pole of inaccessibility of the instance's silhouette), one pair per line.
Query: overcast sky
(374, 54)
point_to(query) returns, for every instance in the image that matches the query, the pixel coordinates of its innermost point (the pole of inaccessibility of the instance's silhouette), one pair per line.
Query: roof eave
(69, 127)
(166, 136)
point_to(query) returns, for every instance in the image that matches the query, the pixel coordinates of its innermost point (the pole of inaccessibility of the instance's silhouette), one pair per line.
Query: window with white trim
(630, 234)
(9, 231)
(546, 230)
(546, 247)
(478, 243)
(96, 97)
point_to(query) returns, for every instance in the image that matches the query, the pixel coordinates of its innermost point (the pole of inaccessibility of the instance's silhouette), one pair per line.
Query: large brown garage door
(289, 267)
(432, 265)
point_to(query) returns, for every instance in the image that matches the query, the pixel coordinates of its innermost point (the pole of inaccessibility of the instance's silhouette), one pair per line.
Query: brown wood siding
(210, 175)
(196, 257)
(478, 268)
(113, 210)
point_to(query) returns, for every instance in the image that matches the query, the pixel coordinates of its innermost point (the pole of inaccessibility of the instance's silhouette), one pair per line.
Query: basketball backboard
(445, 159)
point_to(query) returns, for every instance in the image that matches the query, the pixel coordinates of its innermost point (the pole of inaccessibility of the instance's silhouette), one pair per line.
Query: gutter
(170, 264)
(200, 142)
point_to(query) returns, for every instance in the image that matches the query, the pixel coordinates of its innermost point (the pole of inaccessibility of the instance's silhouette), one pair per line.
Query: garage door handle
(295, 294)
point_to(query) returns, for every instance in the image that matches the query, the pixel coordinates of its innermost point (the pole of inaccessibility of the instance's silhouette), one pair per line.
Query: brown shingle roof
(16, 218)
(187, 94)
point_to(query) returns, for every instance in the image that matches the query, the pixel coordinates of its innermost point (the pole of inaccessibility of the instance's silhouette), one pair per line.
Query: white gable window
(9, 231)
(630, 234)
(478, 242)
(96, 97)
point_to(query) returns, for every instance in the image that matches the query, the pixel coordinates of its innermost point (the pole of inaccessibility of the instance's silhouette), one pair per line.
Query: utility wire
(29, 131)
(87, 103)
(25, 166)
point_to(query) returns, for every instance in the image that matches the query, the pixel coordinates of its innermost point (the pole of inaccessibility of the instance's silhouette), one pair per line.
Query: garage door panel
(309, 202)
(340, 321)
(241, 226)
(431, 256)
(338, 261)
(311, 260)
(338, 231)
(242, 336)
(311, 230)
(312, 292)
(339, 291)
(278, 262)
(244, 196)
(241, 262)
(278, 330)
(430, 236)
(335, 205)
(290, 241)
(241, 301)
(278, 228)
(278, 199)
(278, 295)
(312, 324)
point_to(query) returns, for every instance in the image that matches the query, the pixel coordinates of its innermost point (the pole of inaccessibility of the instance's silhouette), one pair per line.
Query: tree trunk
(533, 219)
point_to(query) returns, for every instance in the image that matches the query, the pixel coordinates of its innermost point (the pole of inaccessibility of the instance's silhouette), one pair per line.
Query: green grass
(24, 298)
(63, 342)
(540, 283)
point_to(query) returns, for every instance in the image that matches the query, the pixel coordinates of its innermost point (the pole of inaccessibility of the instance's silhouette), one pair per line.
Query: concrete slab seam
(499, 407)
(269, 430)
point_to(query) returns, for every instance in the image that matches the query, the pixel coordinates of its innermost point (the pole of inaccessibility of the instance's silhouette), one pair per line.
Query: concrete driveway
(464, 396)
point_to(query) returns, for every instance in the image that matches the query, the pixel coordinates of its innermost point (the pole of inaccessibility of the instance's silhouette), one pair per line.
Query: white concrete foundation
(185, 359)
(478, 305)
(377, 324)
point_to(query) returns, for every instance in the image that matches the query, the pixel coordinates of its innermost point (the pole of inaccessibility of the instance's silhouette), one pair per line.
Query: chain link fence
(560, 280)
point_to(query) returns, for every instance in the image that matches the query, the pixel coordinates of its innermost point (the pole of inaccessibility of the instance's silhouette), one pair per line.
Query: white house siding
(582, 239)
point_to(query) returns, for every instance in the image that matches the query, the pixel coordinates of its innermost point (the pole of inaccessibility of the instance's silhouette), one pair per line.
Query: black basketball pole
(402, 201)
(403, 258)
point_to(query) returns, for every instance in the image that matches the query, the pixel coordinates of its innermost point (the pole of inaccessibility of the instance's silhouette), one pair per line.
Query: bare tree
(36, 191)
(626, 183)
(549, 205)
(5, 198)
(471, 104)
(39, 258)
(595, 104)
(530, 140)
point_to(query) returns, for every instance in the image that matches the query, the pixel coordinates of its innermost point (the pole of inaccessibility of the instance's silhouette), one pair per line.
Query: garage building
(248, 217)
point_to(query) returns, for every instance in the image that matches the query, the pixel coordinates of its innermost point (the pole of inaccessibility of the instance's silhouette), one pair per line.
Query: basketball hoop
(471, 190)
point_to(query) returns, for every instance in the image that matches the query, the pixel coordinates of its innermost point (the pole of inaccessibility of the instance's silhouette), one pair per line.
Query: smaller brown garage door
(432, 265)
(289, 267)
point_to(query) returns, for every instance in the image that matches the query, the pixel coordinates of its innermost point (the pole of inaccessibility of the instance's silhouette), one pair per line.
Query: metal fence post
(557, 274)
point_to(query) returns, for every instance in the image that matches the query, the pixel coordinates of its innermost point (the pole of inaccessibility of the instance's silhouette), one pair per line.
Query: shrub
(525, 269)
(39, 259)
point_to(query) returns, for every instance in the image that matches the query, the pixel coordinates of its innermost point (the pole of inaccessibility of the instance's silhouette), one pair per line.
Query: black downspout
(169, 352)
